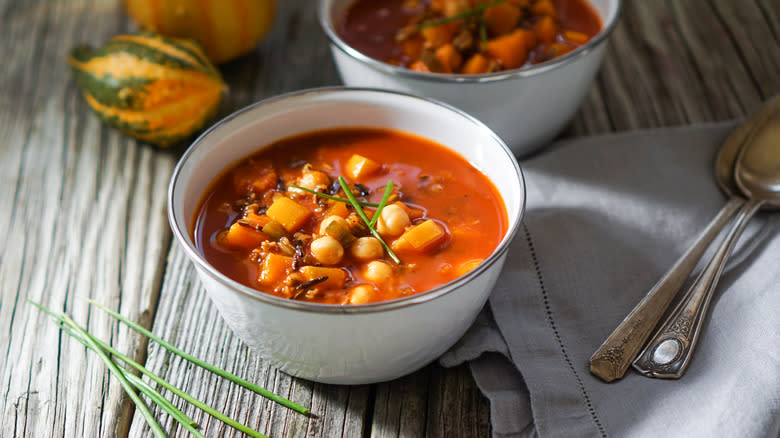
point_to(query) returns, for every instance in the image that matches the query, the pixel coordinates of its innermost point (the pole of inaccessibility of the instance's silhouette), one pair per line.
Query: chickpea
(327, 250)
(331, 219)
(378, 272)
(392, 220)
(312, 179)
(361, 294)
(367, 248)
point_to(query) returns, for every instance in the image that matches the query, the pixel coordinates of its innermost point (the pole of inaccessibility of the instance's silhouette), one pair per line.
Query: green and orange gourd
(156, 89)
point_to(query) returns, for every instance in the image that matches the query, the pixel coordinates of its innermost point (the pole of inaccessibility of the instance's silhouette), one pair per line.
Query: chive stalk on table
(130, 381)
(114, 369)
(218, 371)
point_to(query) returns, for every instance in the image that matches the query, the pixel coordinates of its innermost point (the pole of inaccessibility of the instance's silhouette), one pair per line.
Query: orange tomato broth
(469, 206)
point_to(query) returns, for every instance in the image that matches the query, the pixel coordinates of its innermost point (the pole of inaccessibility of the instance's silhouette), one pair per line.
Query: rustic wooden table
(83, 215)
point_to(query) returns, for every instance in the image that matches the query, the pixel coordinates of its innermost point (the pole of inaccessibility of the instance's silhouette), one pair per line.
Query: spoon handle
(614, 356)
(668, 353)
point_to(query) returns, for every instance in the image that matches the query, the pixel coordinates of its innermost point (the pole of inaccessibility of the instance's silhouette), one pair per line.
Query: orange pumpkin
(225, 29)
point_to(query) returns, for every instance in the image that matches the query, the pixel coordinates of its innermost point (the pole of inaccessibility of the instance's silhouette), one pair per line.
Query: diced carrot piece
(359, 167)
(241, 236)
(468, 266)
(475, 65)
(501, 18)
(544, 7)
(439, 35)
(336, 277)
(337, 209)
(546, 29)
(419, 66)
(275, 269)
(420, 237)
(289, 213)
(511, 50)
(449, 57)
(575, 37)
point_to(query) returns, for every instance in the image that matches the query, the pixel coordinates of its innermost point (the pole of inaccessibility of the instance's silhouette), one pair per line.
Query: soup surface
(467, 36)
(260, 223)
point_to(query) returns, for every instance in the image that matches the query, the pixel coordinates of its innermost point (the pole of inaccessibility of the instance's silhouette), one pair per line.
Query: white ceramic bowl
(345, 344)
(527, 107)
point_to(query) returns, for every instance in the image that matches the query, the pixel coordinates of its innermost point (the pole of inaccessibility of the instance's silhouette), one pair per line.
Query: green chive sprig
(333, 198)
(130, 381)
(382, 203)
(473, 11)
(363, 216)
(220, 372)
(113, 368)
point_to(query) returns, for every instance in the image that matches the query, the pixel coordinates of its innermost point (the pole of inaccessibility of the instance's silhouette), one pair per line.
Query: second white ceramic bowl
(527, 107)
(345, 344)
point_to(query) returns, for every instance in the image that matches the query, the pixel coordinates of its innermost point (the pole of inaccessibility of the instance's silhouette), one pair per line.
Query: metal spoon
(757, 173)
(614, 356)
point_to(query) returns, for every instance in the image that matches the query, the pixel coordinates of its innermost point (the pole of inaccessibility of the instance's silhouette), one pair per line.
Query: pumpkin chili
(468, 36)
(349, 216)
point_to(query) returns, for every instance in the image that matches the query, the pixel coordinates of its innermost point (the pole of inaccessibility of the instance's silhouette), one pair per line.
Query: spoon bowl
(757, 175)
(757, 172)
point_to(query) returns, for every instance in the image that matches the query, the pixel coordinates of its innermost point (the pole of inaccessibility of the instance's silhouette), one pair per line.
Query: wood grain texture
(83, 214)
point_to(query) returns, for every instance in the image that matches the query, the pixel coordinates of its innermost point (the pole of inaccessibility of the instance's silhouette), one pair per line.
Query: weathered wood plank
(668, 63)
(85, 217)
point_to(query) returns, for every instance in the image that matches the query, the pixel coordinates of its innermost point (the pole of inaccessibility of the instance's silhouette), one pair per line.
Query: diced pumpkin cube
(501, 18)
(468, 266)
(242, 236)
(511, 49)
(419, 66)
(359, 167)
(557, 49)
(337, 209)
(437, 36)
(544, 7)
(420, 237)
(475, 65)
(336, 277)
(575, 37)
(255, 220)
(289, 213)
(275, 269)
(546, 29)
(449, 57)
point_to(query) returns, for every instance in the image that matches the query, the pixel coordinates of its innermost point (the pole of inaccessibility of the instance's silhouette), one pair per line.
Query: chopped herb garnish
(333, 198)
(382, 203)
(362, 214)
(462, 15)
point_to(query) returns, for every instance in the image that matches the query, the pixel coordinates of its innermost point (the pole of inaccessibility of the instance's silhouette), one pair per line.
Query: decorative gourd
(155, 89)
(225, 29)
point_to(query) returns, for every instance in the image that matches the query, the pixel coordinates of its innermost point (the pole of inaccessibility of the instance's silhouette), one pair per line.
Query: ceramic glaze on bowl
(346, 344)
(527, 107)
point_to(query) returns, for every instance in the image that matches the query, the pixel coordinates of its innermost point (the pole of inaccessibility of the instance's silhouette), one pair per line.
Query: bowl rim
(327, 26)
(180, 228)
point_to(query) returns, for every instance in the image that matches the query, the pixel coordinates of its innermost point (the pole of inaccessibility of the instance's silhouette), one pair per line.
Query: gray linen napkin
(606, 217)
